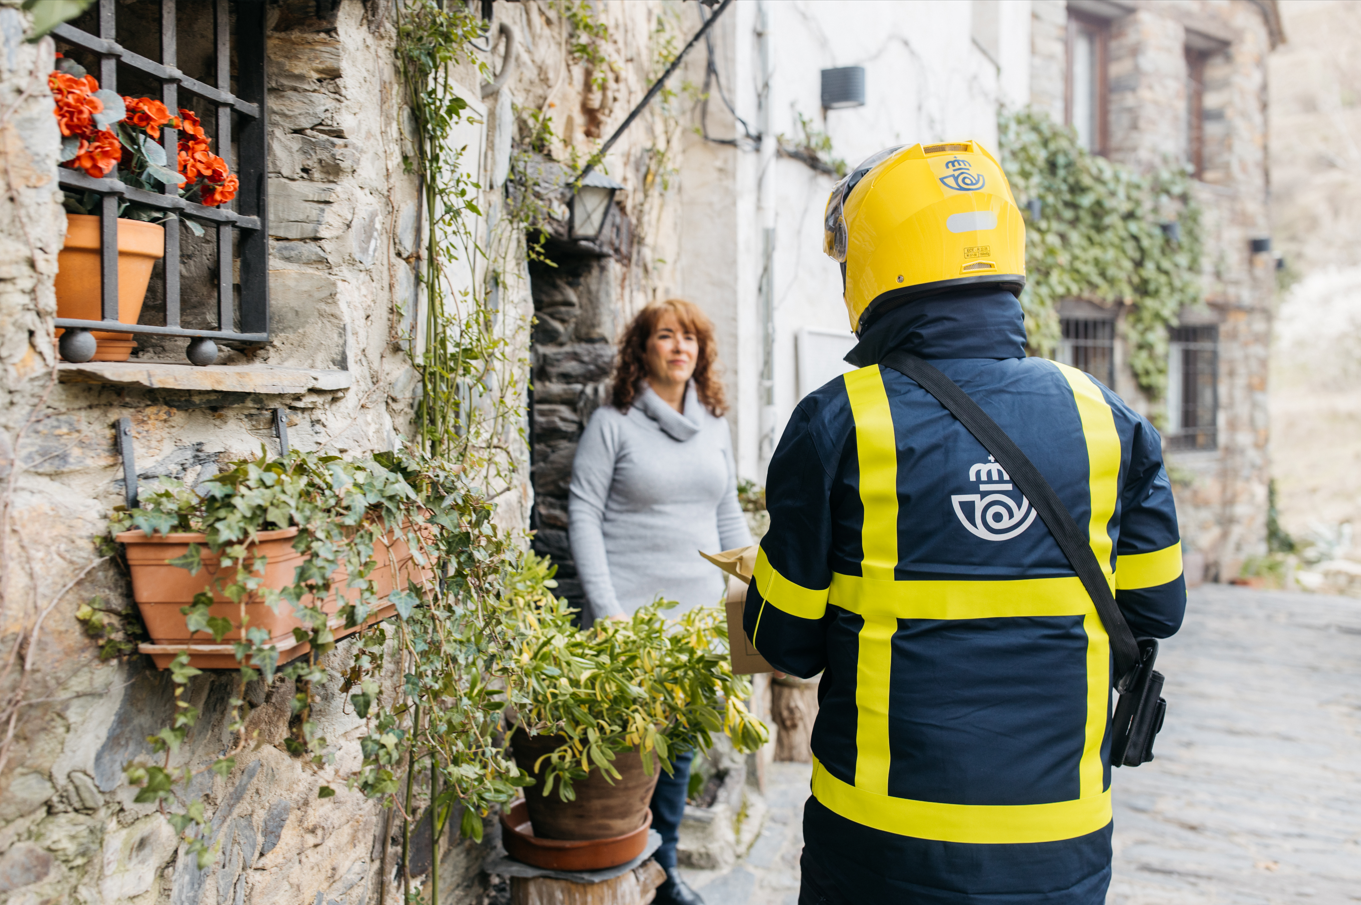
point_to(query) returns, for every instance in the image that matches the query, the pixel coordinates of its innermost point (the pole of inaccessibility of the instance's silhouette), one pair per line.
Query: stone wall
(343, 248)
(1221, 493)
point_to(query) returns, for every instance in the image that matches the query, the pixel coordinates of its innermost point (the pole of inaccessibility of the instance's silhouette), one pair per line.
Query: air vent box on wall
(844, 87)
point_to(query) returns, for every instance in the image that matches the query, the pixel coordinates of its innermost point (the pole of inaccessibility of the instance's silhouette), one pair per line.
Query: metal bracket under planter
(223, 656)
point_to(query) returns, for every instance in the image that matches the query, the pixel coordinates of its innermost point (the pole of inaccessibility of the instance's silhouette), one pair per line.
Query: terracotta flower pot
(140, 246)
(603, 809)
(161, 589)
(517, 834)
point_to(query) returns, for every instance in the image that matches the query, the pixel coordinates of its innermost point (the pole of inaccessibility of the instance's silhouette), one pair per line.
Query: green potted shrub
(596, 713)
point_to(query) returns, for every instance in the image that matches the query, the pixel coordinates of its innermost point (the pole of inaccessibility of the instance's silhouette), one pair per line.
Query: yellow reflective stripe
(959, 599)
(1103, 470)
(785, 595)
(877, 452)
(874, 668)
(1103, 461)
(1091, 772)
(967, 823)
(1148, 570)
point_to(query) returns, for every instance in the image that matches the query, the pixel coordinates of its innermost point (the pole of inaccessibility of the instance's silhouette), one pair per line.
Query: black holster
(1139, 713)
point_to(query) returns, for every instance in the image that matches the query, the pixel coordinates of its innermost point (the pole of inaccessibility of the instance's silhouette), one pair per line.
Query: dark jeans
(668, 807)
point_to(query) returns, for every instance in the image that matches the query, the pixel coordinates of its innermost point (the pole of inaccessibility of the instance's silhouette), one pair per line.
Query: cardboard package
(739, 564)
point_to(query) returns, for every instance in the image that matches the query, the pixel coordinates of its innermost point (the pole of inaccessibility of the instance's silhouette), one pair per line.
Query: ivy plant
(1103, 232)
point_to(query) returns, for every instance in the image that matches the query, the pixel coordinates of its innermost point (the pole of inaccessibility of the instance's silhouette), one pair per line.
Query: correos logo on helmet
(961, 176)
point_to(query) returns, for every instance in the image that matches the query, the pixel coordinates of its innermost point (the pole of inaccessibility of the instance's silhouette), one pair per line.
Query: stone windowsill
(262, 379)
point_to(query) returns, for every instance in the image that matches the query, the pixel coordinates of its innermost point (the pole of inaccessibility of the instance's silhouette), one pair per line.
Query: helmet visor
(834, 237)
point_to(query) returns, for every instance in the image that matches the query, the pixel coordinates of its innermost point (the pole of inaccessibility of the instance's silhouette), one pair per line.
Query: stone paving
(1255, 796)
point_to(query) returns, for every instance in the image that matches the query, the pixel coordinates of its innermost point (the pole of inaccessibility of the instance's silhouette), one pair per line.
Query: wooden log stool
(636, 887)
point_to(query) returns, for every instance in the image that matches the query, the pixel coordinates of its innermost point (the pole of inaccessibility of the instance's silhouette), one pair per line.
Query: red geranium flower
(144, 113)
(98, 156)
(213, 195)
(76, 103)
(191, 125)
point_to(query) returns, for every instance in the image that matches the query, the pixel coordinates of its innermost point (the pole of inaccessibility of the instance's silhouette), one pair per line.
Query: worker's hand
(618, 617)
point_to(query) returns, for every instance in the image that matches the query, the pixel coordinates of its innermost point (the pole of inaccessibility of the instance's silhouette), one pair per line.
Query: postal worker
(961, 752)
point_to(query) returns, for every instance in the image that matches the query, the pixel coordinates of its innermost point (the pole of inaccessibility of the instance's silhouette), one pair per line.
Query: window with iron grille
(1192, 388)
(1089, 345)
(206, 57)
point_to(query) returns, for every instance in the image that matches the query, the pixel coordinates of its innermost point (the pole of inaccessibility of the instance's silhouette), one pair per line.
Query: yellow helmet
(908, 222)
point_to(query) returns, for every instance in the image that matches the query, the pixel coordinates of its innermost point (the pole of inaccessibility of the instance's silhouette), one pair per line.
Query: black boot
(675, 891)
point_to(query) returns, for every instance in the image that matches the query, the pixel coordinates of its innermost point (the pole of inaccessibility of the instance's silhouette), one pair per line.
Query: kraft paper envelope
(739, 564)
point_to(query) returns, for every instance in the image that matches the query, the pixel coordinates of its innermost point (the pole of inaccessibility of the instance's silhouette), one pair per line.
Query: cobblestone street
(1255, 793)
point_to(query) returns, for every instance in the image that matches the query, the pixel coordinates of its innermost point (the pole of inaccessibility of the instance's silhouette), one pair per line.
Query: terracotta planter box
(140, 246)
(162, 589)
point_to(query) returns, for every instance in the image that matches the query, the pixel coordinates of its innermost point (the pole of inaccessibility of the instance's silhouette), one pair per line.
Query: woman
(653, 483)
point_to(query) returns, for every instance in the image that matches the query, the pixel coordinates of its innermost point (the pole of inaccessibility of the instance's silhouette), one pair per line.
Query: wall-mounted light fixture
(1035, 206)
(1172, 230)
(844, 87)
(591, 205)
(1260, 246)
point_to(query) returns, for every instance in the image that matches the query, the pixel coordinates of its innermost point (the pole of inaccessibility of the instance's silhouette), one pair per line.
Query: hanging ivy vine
(1105, 233)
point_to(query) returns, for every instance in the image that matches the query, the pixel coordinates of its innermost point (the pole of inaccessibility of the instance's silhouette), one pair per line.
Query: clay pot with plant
(102, 131)
(597, 713)
(270, 559)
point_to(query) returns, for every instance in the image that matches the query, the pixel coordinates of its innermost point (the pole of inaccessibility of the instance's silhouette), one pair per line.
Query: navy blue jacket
(962, 746)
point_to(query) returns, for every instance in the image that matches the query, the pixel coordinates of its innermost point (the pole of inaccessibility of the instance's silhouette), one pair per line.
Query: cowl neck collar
(678, 426)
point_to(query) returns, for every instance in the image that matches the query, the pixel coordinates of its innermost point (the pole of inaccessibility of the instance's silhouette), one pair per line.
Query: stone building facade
(1173, 83)
(344, 255)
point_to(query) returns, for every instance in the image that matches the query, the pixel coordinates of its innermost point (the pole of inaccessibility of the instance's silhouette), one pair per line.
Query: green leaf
(162, 174)
(152, 149)
(219, 626)
(191, 559)
(114, 110)
(48, 14)
(326, 792)
(224, 766)
(193, 226)
(70, 146)
(156, 787)
(404, 601)
(470, 826)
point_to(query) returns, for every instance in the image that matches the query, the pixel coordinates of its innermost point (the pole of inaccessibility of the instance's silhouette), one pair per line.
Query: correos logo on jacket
(996, 516)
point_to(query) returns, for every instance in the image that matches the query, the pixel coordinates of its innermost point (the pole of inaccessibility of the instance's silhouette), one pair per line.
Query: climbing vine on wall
(1104, 233)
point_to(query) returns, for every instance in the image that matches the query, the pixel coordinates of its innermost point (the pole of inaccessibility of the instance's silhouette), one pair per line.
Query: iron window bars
(1089, 345)
(1193, 388)
(249, 215)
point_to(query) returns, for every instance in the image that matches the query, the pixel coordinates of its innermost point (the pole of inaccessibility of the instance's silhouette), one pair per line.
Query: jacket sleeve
(786, 605)
(592, 474)
(1149, 585)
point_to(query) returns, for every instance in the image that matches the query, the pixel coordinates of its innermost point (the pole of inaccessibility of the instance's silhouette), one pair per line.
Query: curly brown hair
(631, 365)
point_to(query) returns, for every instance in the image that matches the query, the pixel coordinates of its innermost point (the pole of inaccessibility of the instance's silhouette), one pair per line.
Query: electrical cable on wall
(711, 73)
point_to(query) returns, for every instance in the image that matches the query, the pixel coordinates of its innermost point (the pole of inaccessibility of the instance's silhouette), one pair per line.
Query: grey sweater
(650, 489)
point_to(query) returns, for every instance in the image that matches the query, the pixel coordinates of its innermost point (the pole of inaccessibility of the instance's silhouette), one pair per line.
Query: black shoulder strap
(1072, 540)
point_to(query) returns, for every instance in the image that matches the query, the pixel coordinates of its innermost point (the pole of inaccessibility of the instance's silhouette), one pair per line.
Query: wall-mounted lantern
(1172, 230)
(1260, 246)
(844, 87)
(591, 205)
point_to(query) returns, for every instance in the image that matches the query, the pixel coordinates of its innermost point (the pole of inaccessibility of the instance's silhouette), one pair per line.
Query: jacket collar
(678, 426)
(968, 323)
